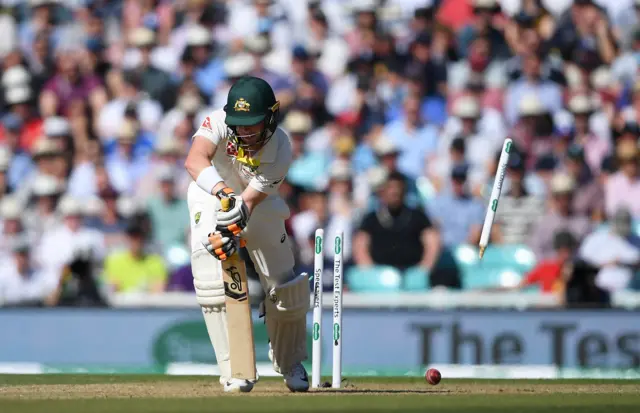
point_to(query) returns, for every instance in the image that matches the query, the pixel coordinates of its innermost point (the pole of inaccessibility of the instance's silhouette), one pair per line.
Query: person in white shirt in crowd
(189, 108)
(622, 189)
(63, 243)
(127, 91)
(479, 145)
(45, 193)
(616, 250)
(21, 282)
(168, 152)
(46, 156)
(11, 210)
(532, 83)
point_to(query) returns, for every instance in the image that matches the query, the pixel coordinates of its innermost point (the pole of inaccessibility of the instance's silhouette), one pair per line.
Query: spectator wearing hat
(11, 210)
(414, 238)
(304, 67)
(615, 251)
(589, 195)
(18, 99)
(459, 216)
(70, 85)
(127, 102)
(110, 220)
(519, 210)
(625, 67)
(260, 47)
(623, 188)
(313, 213)
(168, 152)
(129, 160)
(387, 156)
(483, 24)
(415, 139)
(20, 164)
(135, 269)
(308, 166)
(560, 216)
(71, 239)
(480, 146)
(45, 191)
(188, 113)
(168, 207)
(235, 66)
(200, 61)
(595, 147)
(532, 84)
(157, 83)
(21, 282)
(534, 130)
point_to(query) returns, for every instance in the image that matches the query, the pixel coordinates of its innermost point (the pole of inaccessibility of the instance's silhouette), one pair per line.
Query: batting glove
(232, 222)
(220, 246)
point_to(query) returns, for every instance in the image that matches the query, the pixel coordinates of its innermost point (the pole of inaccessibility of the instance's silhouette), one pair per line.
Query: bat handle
(226, 205)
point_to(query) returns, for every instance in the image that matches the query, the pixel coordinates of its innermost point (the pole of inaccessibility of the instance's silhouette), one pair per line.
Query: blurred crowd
(397, 112)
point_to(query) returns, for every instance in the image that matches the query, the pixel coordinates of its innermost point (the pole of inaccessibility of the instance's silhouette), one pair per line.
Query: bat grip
(226, 205)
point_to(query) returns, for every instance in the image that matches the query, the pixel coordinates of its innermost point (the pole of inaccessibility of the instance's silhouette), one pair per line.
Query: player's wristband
(208, 179)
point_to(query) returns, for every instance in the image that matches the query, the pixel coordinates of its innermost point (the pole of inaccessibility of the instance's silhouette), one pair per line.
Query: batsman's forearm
(252, 197)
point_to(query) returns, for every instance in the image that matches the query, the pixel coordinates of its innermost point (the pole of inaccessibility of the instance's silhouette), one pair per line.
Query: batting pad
(286, 308)
(210, 295)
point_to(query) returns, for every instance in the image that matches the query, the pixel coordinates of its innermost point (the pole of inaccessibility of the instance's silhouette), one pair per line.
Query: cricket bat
(242, 353)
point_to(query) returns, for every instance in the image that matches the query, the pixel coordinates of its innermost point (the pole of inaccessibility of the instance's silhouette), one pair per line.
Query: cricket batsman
(239, 153)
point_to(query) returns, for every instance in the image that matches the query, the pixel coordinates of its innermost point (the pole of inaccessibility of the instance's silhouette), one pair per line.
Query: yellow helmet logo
(242, 105)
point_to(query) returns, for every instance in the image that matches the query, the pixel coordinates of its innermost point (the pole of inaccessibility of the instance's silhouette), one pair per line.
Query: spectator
(20, 163)
(623, 188)
(559, 217)
(532, 84)
(70, 85)
(484, 24)
(135, 270)
(21, 283)
(480, 146)
(12, 225)
(18, 100)
(583, 36)
(616, 251)
(129, 161)
(395, 234)
(70, 240)
(168, 211)
(589, 196)
(595, 147)
(458, 215)
(519, 210)
(414, 138)
(109, 220)
(41, 215)
(550, 274)
(154, 81)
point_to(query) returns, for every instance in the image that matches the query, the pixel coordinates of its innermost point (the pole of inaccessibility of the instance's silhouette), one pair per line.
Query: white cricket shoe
(297, 379)
(238, 386)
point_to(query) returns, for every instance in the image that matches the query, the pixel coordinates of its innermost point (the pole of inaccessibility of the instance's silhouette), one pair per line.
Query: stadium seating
(415, 279)
(373, 279)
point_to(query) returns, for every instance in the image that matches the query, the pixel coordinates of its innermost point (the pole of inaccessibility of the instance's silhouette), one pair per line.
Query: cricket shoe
(238, 386)
(297, 379)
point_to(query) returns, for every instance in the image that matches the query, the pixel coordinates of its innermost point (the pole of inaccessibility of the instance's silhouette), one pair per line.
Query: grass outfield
(188, 394)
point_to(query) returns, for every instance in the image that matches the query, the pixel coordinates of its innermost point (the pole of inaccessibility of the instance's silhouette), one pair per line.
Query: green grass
(188, 394)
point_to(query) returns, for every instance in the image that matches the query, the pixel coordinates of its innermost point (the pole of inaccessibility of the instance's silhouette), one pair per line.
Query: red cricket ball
(433, 376)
